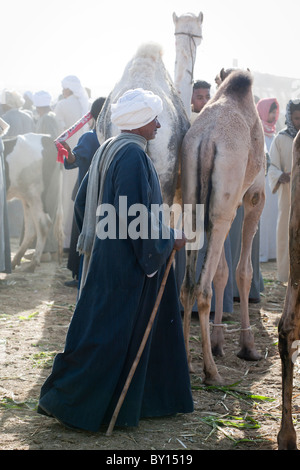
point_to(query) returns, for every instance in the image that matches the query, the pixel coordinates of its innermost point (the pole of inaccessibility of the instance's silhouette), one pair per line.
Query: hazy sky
(44, 41)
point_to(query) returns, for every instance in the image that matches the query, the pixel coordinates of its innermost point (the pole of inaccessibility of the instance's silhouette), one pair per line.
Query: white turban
(12, 98)
(41, 99)
(135, 109)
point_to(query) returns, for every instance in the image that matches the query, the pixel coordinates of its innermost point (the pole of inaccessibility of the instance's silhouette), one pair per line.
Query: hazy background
(44, 41)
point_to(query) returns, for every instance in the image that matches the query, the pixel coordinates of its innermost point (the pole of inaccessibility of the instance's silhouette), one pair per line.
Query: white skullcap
(41, 98)
(135, 109)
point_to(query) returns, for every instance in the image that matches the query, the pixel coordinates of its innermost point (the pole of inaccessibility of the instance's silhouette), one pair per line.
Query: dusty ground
(35, 311)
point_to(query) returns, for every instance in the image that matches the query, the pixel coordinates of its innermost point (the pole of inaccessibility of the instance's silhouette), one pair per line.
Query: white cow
(34, 176)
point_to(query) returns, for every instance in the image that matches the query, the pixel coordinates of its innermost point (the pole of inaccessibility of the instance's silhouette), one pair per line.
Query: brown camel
(289, 324)
(223, 166)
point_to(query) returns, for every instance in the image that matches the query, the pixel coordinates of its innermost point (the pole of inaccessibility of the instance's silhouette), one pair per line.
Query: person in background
(279, 179)
(19, 121)
(200, 96)
(5, 259)
(119, 291)
(268, 110)
(28, 106)
(235, 234)
(68, 110)
(47, 122)
(80, 157)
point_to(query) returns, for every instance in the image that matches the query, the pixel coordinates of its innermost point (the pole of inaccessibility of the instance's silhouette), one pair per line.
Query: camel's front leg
(289, 325)
(253, 206)
(42, 224)
(288, 342)
(220, 281)
(188, 297)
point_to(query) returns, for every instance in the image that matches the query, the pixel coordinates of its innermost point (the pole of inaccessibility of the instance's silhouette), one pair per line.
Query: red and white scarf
(263, 108)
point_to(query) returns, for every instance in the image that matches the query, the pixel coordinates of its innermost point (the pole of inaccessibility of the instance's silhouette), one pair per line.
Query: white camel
(188, 36)
(147, 70)
(223, 166)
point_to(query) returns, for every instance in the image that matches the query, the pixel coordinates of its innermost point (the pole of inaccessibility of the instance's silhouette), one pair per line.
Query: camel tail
(207, 153)
(238, 83)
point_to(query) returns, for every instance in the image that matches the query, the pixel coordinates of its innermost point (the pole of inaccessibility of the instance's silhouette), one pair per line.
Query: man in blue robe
(119, 286)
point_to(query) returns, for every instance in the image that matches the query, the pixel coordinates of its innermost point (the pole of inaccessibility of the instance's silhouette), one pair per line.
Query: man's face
(149, 130)
(272, 116)
(200, 97)
(66, 92)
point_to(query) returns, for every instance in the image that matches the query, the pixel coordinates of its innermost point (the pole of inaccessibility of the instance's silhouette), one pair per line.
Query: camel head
(190, 25)
(188, 34)
(224, 74)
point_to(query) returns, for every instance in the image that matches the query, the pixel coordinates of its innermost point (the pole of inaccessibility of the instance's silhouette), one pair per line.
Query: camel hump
(238, 83)
(150, 49)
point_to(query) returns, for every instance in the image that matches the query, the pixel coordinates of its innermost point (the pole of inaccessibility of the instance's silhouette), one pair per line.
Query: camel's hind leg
(212, 263)
(220, 281)
(188, 298)
(253, 205)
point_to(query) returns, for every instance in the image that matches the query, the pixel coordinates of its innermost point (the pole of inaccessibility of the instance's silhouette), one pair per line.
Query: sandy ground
(35, 311)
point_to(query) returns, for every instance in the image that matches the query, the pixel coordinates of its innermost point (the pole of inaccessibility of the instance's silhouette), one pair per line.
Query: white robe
(281, 161)
(68, 111)
(268, 220)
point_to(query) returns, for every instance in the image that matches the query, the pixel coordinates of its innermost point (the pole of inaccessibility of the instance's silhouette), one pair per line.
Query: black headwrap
(293, 105)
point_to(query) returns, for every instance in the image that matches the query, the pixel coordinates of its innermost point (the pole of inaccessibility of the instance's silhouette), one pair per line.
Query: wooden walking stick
(142, 346)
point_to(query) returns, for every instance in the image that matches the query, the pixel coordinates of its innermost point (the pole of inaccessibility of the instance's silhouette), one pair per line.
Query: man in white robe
(73, 106)
(279, 179)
